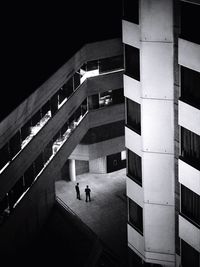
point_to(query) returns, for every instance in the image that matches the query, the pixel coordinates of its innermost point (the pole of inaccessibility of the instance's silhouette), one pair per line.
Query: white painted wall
(132, 89)
(189, 54)
(189, 233)
(157, 126)
(189, 176)
(133, 141)
(157, 70)
(189, 117)
(130, 33)
(158, 174)
(134, 191)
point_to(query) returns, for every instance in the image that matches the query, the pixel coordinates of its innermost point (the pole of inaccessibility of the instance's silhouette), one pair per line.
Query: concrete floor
(106, 214)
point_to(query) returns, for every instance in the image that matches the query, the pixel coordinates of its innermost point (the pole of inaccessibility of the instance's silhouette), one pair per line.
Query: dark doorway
(115, 162)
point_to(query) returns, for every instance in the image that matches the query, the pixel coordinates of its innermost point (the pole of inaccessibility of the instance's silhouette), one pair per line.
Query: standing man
(87, 193)
(77, 191)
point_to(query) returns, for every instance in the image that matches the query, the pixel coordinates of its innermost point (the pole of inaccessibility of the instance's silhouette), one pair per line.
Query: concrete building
(73, 123)
(162, 132)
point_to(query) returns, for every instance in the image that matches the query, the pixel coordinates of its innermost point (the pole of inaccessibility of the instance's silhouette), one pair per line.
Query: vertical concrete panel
(157, 70)
(156, 20)
(158, 173)
(159, 229)
(157, 117)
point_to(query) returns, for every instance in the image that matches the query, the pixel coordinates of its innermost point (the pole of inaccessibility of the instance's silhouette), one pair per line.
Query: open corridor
(106, 214)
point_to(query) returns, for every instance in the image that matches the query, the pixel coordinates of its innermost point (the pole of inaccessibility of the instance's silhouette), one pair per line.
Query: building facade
(162, 131)
(73, 123)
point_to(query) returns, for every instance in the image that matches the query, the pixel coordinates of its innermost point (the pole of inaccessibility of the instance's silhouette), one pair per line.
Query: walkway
(106, 214)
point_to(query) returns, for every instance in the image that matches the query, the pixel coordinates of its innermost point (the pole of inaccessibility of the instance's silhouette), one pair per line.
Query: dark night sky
(36, 39)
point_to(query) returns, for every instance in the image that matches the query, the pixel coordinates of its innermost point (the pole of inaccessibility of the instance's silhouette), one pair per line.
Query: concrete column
(72, 170)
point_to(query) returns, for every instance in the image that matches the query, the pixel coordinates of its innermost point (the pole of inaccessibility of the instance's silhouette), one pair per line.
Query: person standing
(77, 191)
(87, 193)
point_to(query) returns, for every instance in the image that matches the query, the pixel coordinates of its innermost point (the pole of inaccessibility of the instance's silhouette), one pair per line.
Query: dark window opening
(68, 87)
(92, 65)
(26, 130)
(189, 256)
(77, 80)
(38, 164)
(134, 167)
(15, 144)
(190, 19)
(4, 156)
(118, 96)
(29, 177)
(131, 10)
(54, 104)
(190, 204)
(48, 151)
(46, 108)
(133, 115)
(190, 86)
(132, 62)
(16, 192)
(190, 147)
(36, 118)
(93, 102)
(135, 215)
(110, 64)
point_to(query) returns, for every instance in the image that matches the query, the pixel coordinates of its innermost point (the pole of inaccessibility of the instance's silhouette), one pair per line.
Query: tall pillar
(72, 170)
(157, 121)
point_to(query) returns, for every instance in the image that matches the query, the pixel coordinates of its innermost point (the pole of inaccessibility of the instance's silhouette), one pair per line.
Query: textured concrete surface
(106, 214)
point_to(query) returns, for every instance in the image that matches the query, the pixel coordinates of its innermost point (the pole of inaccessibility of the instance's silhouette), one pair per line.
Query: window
(93, 102)
(133, 117)
(110, 64)
(54, 104)
(190, 147)
(38, 164)
(29, 176)
(68, 87)
(189, 20)
(16, 192)
(190, 204)
(189, 256)
(135, 215)
(26, 130)
(190, 84)
(132, 62)
(134, 167)
(118, 96)
(105, 99)
(15, 144)
(131, 11)
(4, 156)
